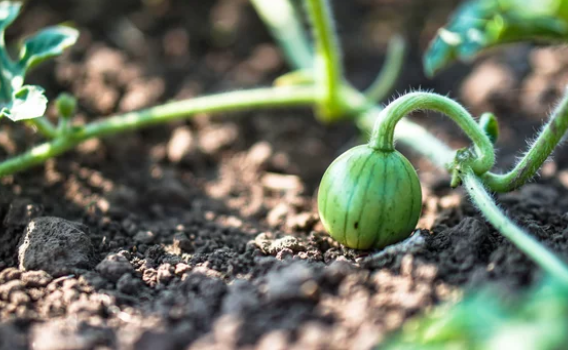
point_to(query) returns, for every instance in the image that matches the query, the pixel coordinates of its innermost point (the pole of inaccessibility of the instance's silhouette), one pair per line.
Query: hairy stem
(526, 243)
(329, 71)
(231, 101)
(414, 136)
(541, 149)
(281, 18)
(382, 136)
(421, 141)
(390, 71)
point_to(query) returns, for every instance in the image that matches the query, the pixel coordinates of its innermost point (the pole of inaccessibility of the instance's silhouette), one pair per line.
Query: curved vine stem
(390, 71)
(526, 243)
(423, 142)
(528, 166)
(231, 101)
(414, 136)
(382, 136)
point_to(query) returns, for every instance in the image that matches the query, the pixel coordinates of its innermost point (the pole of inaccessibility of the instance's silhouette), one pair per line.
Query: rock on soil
(56, 246)
(114, 266)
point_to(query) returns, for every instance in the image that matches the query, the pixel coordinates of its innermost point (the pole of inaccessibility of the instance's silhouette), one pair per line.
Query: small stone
(285, 254)
(182, 243)
(182, 268)
(94, 279)
(278, 214)
(150, 277)
(302, 221)
(281, 182)
(127, 284)
(9, 274)
(181, 144)
(36, 279)
(287, 242)
(114, 266)
(21, 211)
(165, 273)
(57, 246)
(11, 287)
(145, 237)
(260, 153)
(273, 247)
(19, 298)
(214, 138)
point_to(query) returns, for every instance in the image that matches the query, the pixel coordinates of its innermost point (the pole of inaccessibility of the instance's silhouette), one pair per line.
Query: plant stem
(382, 136)
(526, 243)
(289, 33)
(63, 127)
(390, 71)
(329, 71)
(423, 142)
(540, 150)
(414, 136)
(281, 17)
(231, 101)
(43, 126)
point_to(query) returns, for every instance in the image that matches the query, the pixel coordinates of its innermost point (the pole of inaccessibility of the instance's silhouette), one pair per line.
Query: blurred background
(134, 54)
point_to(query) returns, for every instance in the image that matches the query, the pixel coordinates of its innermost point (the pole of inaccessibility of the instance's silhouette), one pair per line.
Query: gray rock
(114, 266)
(56, 246)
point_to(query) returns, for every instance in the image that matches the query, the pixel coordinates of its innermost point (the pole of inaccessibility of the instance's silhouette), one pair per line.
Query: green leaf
(27, 103)
(480, 24)
(8, 13)
(17, 101)
(46, 44)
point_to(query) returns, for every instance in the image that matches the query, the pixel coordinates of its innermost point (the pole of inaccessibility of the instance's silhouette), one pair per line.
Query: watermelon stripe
(361, 212)
(411, 179)
(382, 193)
(355, 188)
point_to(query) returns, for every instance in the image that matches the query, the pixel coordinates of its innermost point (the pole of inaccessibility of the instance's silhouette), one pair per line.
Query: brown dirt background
(203, 234)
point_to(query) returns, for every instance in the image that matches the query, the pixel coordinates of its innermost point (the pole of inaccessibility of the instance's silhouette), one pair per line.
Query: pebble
(56, 246)
(114, 266)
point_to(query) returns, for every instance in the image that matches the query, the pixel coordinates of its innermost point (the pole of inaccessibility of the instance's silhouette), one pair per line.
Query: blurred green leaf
(27, 103)
(46, 44)
(479, 24)
(8, 13)
(19, 101)
(488, 319)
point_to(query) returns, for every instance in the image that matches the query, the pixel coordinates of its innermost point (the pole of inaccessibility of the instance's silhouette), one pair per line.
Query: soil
(204, 234)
